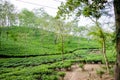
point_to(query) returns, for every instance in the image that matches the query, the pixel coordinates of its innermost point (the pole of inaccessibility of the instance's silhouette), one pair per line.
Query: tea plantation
(28, 53)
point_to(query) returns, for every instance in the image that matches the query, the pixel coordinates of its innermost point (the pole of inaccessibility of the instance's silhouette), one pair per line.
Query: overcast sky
(50, 6)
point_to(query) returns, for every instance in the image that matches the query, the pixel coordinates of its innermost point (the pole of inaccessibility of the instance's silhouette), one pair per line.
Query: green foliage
(111, 68)
(78, 7)
(26, 41)
(61, 65)
(94, 58)
(87, 11)
(7, 12)
(31, 53)
(31, 61)
(26, 18)
(82, 66)
(100, 73)
(26, 73)
(61, 74)
(49, 77)
(35, 56)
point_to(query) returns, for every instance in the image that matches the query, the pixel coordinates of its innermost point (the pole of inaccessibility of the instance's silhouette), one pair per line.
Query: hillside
(25, 41)
(35, 54)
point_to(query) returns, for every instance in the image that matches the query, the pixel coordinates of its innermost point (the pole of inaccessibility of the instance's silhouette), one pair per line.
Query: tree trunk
(105, 56)
(62, 48)
(103, 47)
(0, 38)
(55, 39)
(117, 20)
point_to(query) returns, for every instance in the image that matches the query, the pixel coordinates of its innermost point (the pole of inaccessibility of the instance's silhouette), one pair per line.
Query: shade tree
(94, 9)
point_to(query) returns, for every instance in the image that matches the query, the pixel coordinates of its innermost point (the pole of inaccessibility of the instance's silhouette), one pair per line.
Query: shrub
(62, 75)
(49, 77)
(82, 66)
(100, 73)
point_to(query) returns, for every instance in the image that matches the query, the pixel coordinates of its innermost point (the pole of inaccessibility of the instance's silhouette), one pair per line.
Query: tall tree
(117, 20)
(42, 19)
(100, 35)
(26, 18)
(7, 13)
(60, 30)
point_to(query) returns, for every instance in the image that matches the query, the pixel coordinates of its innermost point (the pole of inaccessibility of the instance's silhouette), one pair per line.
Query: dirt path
(89, 74)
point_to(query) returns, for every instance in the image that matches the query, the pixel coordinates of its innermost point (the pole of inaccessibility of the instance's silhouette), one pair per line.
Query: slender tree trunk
(0, 38)
(104, 48)
(62, 47)
(105, 56)
(62, 40)
(55, 39)
(117, 20)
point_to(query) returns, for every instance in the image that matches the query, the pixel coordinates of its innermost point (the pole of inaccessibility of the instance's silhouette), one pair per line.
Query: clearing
(89, 74)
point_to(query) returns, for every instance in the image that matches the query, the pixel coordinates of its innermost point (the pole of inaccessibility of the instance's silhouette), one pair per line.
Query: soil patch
(89, 74)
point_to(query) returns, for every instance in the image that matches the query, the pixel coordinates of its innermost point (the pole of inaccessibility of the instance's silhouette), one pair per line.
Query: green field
(28, 53)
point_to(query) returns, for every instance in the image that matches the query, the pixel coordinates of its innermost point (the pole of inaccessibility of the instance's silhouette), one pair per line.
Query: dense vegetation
(28, 54)
(27, 41)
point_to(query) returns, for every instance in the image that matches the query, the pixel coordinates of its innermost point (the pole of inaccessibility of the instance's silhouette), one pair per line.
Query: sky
(50, 6)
